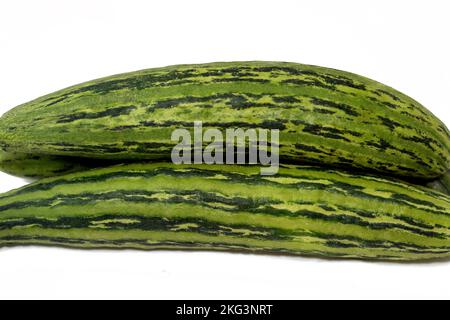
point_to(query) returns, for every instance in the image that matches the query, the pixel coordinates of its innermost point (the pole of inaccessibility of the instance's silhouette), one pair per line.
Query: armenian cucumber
(325, 117)
(302, 210)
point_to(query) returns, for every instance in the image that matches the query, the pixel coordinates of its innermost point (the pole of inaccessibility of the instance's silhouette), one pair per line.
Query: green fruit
(302, 210)
(325, 117)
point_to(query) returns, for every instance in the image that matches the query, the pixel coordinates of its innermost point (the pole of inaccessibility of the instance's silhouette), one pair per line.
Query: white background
(47, 45)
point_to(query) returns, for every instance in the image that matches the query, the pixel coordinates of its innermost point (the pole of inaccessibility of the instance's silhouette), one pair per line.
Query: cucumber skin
(302, 211)
(325, 117)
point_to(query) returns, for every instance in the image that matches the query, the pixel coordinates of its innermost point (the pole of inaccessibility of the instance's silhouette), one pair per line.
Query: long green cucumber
(43, 166)
(325, 116)
(302, 211)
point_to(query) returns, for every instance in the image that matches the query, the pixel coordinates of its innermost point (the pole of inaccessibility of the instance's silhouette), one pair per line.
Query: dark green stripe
(110, 112)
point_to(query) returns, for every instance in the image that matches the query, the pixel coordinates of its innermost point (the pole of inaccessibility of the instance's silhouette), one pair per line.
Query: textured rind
(325, 116)
(301, 211)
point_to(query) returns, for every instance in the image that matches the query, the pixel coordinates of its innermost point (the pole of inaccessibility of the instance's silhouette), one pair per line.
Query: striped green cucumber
(42, 166)
(325, 116)
(303, 210)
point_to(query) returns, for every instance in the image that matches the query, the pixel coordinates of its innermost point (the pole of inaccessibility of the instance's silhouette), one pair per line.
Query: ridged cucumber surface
(325, 116)
(302, 211)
